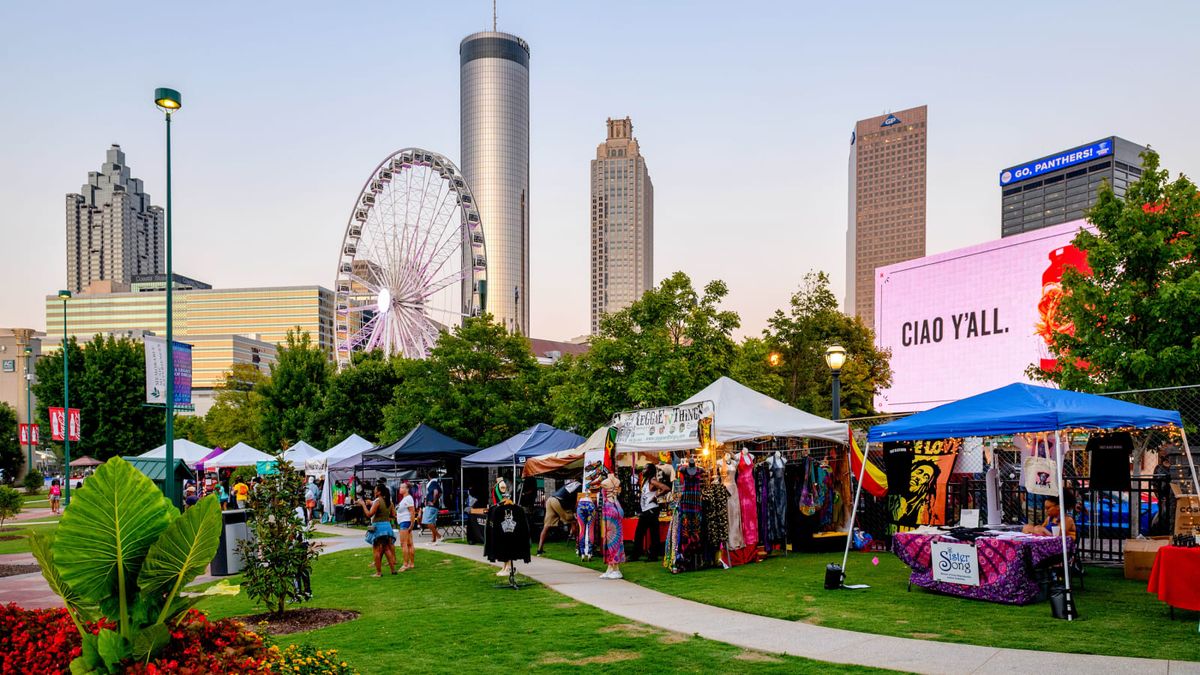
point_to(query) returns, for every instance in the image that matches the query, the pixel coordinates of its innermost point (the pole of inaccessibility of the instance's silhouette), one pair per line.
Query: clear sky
(743, 110)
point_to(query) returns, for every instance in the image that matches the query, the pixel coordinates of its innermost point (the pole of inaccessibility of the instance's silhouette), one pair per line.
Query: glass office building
(1059, 188)
(494, 91)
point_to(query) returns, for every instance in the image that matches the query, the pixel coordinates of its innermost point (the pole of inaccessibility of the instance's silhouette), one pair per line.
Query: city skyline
(286, 160)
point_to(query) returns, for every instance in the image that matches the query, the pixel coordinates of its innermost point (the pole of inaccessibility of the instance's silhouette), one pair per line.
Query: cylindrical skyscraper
(494, 91)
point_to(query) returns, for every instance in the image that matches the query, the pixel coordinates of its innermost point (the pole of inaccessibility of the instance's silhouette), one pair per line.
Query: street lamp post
(29, 406)
(168, 101)
(835, 358)
(66, 353)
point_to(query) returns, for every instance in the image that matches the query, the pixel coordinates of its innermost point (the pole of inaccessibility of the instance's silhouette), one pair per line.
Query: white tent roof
(299, 453)
(239, 455)
(346, 453)
(184, 449)
(740, 414)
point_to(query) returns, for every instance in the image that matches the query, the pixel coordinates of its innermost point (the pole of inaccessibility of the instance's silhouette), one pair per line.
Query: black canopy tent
(422, 443)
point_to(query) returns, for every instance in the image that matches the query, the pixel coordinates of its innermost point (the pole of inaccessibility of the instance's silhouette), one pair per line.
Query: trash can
(233, 529)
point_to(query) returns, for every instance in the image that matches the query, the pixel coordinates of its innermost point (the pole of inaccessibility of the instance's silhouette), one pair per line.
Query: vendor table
(1006, 565)
(1173, 577)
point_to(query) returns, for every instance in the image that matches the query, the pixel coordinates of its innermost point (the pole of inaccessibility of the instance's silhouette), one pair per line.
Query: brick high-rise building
(887, 201)
(622, 239)
(113, 232)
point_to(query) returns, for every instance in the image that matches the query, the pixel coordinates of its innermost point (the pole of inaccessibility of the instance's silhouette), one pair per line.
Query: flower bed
(33, 642)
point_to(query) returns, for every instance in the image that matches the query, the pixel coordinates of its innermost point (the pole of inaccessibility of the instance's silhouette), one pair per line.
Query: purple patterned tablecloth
(1005, 565)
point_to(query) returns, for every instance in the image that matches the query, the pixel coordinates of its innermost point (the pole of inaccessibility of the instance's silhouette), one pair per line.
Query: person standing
(55, 496)
(433, 503)
(560, 510)
(241, 493)
(651, 488)
(311, 494)
(380, 534)
(406, 515)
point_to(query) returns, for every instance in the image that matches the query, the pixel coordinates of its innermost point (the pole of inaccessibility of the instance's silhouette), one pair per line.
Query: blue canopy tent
(538, 440)
(423, 443)
(1024, 408)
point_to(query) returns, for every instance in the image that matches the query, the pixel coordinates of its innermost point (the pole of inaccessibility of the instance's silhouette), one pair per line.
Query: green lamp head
(168, 100)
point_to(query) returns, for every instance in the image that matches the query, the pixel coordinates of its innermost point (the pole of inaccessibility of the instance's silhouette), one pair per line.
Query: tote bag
(1040, 473)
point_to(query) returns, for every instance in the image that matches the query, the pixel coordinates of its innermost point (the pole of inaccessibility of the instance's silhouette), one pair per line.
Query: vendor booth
(998, 561)
(567, 462)
(348, 451)
(182, 448)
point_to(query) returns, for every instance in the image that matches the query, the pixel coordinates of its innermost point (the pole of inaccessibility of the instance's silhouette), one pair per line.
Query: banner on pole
(24, 431)
(56, 424)
(158, 369)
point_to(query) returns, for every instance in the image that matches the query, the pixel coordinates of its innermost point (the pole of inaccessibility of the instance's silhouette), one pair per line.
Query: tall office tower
(494, 99)
(1058, 188)
(887, 201)
(622, 223)
(113, 232)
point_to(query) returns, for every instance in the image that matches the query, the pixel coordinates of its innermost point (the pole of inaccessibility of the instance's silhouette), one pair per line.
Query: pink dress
(748, 499)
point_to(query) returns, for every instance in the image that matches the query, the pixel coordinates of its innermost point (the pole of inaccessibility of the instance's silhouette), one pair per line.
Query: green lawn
(36, 500)
(447, 614)
(1118, 616)
(21, 543)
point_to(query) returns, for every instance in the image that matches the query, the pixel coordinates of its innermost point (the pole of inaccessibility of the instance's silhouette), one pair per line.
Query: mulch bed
(296, 620)
(13, 570)
(11, 537)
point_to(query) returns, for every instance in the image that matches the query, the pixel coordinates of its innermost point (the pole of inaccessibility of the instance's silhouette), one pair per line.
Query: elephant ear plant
(123, 552)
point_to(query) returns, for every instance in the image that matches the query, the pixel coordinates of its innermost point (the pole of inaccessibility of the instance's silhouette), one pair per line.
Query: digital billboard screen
(970, 320)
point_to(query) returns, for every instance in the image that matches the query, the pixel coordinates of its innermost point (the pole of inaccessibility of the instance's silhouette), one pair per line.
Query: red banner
(56, 423)
(23, 431)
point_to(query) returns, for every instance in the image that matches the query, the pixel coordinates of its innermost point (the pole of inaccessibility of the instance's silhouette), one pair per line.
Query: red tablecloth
(1174, 576)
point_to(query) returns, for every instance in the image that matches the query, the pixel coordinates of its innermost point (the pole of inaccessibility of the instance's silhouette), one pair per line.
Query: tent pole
(1062, 530)
(1187, 452)
(854, 509)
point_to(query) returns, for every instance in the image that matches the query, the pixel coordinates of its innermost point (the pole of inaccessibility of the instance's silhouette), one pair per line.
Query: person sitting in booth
(1055, 518)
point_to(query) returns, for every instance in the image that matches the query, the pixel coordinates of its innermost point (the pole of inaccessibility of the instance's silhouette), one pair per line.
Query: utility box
(233, 530)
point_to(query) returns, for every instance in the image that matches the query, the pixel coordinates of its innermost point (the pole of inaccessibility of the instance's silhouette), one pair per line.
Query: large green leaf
(108, 528)
(80, 611)
(113, 649)
(182, 551)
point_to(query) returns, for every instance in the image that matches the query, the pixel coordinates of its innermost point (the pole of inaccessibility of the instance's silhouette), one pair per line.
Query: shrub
(276, 554)
(123, 552)
(308, 660)
(10, 503)
(34, 481)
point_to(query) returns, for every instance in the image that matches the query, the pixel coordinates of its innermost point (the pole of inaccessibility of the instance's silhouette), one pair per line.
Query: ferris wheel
(413, 261)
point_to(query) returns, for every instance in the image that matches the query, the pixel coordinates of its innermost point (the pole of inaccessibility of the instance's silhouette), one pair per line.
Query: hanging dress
(716, 518)
(729, 477)
(690, 509)
(748, 499)
(614, 542)
(778, 500)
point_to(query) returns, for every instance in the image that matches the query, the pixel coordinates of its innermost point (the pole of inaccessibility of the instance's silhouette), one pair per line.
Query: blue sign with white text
(1062, 160)
(891, 119)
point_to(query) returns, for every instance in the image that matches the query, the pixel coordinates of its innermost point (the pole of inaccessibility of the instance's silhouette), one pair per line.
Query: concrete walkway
(776, 636)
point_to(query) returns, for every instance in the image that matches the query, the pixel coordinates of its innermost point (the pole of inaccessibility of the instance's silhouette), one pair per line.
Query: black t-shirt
(1110, 460)
(507, 535)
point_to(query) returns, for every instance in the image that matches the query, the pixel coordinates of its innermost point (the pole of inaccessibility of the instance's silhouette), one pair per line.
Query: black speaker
(834, 576)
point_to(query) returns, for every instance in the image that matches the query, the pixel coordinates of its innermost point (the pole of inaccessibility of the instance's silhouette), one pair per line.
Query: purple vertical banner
(181, 360)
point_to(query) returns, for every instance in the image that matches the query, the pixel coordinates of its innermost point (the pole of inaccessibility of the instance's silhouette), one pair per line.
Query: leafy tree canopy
(236, 415)
(1132, 323)
(293, 396)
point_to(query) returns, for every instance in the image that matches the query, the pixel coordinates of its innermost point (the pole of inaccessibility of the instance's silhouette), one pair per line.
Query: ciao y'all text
(961, 326)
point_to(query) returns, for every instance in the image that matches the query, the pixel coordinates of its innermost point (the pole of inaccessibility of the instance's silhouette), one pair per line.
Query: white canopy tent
(349, 450)
(184, 449)
(239, 455)
(742, 414)
(299, 454)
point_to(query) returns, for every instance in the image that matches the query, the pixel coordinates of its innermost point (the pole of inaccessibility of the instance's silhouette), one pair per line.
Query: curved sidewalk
(777, 636)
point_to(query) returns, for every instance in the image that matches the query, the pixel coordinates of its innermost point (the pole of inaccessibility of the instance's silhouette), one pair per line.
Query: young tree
(480, 384)
(236, 415)
(293, 395)
(108, 378)
(11, 457)
(663, 348)
(355, 399)
(276, 556)
(1132, 323)
(801, 335)
(10, 503)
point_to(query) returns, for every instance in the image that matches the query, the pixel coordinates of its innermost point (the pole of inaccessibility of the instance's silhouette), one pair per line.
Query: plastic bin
(233, 529)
